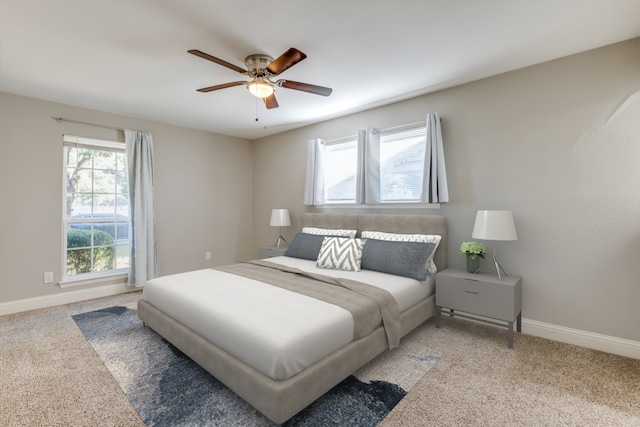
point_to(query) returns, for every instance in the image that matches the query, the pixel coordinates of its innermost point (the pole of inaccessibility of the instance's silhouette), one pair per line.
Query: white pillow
(428, 238)
(329, 232)
(340, 253)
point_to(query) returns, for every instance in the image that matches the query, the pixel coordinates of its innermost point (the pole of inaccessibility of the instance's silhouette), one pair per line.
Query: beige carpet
(481, 382)
(50, 376)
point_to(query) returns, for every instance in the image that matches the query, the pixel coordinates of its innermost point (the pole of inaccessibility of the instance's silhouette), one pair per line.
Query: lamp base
(278, 242)
(498, 268)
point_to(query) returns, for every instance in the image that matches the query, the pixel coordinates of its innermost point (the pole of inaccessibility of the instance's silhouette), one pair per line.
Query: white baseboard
(606, 343)
(63, 298)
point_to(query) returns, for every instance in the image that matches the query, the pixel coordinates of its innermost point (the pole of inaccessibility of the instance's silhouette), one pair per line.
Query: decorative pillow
(427, 238)
(400, 258)
(330, 232)
(305, 246)
(340, 253)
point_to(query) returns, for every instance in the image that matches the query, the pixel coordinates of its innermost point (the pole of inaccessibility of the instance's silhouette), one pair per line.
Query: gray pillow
(400, 258)
(305, 246)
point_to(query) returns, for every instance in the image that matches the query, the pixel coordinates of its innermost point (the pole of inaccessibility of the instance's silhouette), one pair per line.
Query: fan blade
(222, 86)
(285, 61)
(217, 61)
(270, 101)
(306, 87)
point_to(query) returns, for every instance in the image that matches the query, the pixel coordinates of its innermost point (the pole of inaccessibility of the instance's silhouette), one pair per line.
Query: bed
(281, 388)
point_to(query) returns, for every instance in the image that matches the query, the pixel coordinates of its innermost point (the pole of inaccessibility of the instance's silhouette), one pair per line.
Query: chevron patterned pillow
(340, 253)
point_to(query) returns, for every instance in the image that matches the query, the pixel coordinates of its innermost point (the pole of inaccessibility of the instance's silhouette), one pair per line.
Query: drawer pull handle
(471, 292)
(471, 280)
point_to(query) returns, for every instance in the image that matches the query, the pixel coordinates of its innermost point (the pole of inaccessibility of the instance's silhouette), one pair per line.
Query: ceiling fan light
(260, 89)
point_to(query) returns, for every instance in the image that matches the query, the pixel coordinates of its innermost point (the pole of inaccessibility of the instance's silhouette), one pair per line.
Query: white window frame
(71, 141)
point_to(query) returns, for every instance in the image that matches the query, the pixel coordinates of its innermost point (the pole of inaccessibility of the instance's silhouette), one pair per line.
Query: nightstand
(481, 297)
(270, 251)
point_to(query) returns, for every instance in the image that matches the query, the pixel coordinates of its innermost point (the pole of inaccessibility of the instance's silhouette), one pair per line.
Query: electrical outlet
(48, 277)
(207, 256)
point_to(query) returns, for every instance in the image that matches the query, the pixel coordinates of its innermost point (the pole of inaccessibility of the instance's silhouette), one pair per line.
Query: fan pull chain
(265, 126)
(256, 109)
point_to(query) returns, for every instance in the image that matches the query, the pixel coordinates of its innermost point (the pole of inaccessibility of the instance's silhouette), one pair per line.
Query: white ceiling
(130, 56)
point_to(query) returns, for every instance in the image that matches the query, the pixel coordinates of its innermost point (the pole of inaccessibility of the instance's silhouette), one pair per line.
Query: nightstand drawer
(477, 296)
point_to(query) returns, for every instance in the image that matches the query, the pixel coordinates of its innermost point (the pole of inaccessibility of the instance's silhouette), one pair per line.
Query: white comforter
(276, 331)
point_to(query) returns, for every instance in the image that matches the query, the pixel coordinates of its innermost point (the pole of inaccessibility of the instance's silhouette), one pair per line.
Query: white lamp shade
(280, 218)
(494, 225)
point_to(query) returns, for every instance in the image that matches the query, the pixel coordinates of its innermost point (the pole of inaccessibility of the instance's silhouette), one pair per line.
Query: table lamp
(280, 218)
(495, 225)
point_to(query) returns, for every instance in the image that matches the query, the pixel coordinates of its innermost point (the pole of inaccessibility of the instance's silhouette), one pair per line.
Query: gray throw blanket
(370, 306)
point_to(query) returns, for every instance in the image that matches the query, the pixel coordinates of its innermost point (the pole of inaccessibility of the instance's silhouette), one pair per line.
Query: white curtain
(314, 180)
(142, 236)
(434, 185)
(360, 168)
(369, 165)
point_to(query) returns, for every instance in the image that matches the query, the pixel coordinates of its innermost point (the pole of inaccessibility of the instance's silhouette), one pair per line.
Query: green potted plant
(474, 251)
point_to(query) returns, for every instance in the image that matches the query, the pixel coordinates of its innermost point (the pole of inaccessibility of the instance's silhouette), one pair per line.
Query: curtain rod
(62, 119)
(392, 128)
(423, 122)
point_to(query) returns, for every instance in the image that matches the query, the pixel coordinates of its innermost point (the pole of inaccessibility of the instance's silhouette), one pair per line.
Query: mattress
(274, 330)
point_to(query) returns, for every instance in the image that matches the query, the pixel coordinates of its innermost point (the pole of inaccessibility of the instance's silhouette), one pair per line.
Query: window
(398, 165)
(401, 165)
(341, 158)
(96, 208)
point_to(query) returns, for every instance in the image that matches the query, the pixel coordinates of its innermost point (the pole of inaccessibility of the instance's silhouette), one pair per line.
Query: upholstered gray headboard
(390, 223)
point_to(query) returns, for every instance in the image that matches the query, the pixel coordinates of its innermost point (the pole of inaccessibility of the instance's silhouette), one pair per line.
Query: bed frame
(281, 400)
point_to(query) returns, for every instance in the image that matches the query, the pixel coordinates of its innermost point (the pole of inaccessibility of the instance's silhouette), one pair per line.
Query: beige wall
(203, 193)
(558, 144)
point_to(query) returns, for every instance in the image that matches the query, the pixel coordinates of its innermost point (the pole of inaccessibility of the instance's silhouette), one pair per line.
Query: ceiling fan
(262, 68)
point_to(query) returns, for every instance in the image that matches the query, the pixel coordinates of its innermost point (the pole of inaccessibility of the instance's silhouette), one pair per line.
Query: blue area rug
(168, 389)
